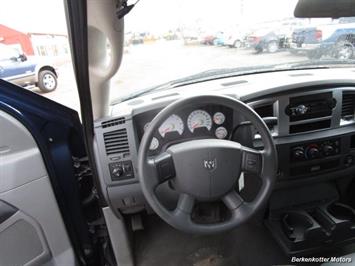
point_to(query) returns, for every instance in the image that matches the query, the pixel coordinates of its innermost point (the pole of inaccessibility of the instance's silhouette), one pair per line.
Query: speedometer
(199, 118)
(173, 123)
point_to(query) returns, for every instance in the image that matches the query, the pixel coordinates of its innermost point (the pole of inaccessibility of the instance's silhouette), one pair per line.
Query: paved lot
(151, 64)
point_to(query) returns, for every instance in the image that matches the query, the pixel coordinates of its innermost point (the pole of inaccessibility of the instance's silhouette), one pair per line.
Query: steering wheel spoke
(184, 207)
(252, 160)
(185, 203)
(233, 200)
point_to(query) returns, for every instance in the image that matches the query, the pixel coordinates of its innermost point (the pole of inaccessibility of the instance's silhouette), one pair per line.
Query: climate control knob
(312, 152)
(328, 150)
(298, 153)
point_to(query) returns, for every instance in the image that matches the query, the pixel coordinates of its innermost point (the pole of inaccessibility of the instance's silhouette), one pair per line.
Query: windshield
(168, 40)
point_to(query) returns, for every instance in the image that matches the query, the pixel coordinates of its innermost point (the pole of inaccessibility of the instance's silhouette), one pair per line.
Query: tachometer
(173, 123)
(199, 118)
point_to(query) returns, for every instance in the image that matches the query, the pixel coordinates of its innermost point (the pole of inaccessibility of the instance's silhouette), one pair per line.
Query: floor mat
(248, 245)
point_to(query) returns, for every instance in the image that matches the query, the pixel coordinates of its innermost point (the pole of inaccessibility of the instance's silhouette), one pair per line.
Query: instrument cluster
(204, 122)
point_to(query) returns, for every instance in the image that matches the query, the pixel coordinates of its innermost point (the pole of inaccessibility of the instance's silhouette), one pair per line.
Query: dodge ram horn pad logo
(210, 164)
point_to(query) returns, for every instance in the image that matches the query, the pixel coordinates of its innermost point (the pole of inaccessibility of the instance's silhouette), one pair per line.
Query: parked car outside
(336, 40)
(208, 39)
(23, 71)
(219, 39)
(235, 40)
(171, 35)
(191, 36)
(137, 38)
(265, 40)
(274, 36)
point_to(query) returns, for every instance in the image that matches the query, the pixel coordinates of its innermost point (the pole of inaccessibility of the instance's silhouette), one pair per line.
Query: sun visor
(325, 8)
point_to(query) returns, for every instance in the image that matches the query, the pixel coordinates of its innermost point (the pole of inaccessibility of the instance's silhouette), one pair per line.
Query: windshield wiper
(234, 72)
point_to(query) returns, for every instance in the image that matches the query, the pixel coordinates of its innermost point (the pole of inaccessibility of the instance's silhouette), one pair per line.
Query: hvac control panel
(315, 150)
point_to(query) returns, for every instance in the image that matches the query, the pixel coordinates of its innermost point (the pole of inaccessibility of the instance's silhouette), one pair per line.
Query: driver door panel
(32, 231)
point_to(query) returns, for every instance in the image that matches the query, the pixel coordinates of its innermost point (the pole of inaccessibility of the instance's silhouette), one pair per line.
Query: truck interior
(237, 167)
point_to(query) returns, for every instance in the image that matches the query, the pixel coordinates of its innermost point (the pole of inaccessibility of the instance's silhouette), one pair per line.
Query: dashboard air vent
(348, 107)
(113, 122)
(116, 142)
(265, 110)
(310, 106)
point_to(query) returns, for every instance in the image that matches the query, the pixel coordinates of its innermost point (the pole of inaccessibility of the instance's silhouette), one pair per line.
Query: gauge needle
(166, 130)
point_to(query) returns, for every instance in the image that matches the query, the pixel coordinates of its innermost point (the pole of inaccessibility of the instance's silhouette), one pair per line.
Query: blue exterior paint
(13, 64)
(10, 68)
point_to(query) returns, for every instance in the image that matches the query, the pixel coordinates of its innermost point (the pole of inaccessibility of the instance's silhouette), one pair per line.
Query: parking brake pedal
(136, 222)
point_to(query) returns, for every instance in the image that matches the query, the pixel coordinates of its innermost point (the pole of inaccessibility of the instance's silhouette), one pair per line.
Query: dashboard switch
(121, 170)
(117, 171)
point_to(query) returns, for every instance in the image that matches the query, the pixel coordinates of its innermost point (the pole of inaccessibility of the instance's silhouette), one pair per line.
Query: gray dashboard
(330, 128)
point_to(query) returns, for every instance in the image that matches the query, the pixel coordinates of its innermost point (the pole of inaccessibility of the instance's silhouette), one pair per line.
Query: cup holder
(341, 212)
(295, 225)
(312, 228)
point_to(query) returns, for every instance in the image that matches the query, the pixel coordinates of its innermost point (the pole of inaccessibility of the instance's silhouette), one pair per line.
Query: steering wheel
(207, 170)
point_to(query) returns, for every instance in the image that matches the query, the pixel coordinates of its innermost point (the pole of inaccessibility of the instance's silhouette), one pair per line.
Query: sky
(44, 16)
(164, 14)
(47, 16)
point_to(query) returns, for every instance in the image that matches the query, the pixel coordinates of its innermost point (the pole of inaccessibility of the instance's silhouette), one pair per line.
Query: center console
(316, 149)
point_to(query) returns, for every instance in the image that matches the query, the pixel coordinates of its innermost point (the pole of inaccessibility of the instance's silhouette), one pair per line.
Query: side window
(7, 53)
(35, 52)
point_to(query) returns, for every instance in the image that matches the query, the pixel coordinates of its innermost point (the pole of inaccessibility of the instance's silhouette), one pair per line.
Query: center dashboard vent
(265, 110)
(310, 106)
(113, 122)
(348, 106)
(116, 142)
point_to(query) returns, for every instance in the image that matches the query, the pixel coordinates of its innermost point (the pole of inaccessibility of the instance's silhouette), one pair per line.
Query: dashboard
(313, 125)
